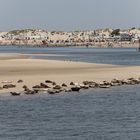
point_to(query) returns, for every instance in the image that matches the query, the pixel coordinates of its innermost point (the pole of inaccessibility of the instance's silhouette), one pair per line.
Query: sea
(94, 114)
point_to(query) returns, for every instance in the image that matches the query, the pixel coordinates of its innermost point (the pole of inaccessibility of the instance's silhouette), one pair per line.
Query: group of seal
(52, 88)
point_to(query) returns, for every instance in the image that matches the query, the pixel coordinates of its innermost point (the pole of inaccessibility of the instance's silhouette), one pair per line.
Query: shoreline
(36, 71)
(95, 45)
(10, 56)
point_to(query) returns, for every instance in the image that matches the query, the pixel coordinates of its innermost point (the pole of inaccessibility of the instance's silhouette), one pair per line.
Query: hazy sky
(69, 14)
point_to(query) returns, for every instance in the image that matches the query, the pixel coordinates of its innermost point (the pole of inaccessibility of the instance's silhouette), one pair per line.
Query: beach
(14, 67)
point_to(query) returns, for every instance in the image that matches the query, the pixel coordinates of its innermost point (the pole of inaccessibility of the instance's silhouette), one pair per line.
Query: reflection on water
(110, 114)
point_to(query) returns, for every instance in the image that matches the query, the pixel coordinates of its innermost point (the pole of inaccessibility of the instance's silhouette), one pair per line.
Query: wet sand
(33, 71)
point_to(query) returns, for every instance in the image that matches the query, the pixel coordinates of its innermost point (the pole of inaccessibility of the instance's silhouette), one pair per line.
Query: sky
(69, 15)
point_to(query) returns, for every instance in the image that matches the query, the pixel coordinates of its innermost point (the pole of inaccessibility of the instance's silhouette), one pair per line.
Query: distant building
(114, 38)
(126, 37)
(135, 37)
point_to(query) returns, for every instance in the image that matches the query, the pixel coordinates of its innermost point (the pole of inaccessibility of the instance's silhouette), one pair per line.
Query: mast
(139, 44)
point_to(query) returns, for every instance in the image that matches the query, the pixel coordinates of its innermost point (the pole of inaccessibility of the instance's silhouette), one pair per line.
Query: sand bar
(33, 71)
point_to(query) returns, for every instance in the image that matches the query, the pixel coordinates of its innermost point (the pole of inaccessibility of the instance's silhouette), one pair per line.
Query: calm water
(93, 55)
(111, 114)
(97, 114)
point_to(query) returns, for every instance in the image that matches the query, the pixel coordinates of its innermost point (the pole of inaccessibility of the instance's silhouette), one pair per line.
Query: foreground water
(111, 114)
(97, 114)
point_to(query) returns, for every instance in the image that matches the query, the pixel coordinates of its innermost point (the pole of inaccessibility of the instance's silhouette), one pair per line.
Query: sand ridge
(34, 71)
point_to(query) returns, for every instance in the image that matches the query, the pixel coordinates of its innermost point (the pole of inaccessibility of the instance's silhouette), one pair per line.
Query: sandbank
(33, 71)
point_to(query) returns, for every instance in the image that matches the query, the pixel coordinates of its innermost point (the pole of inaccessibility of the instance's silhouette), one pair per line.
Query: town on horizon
(98, 37)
